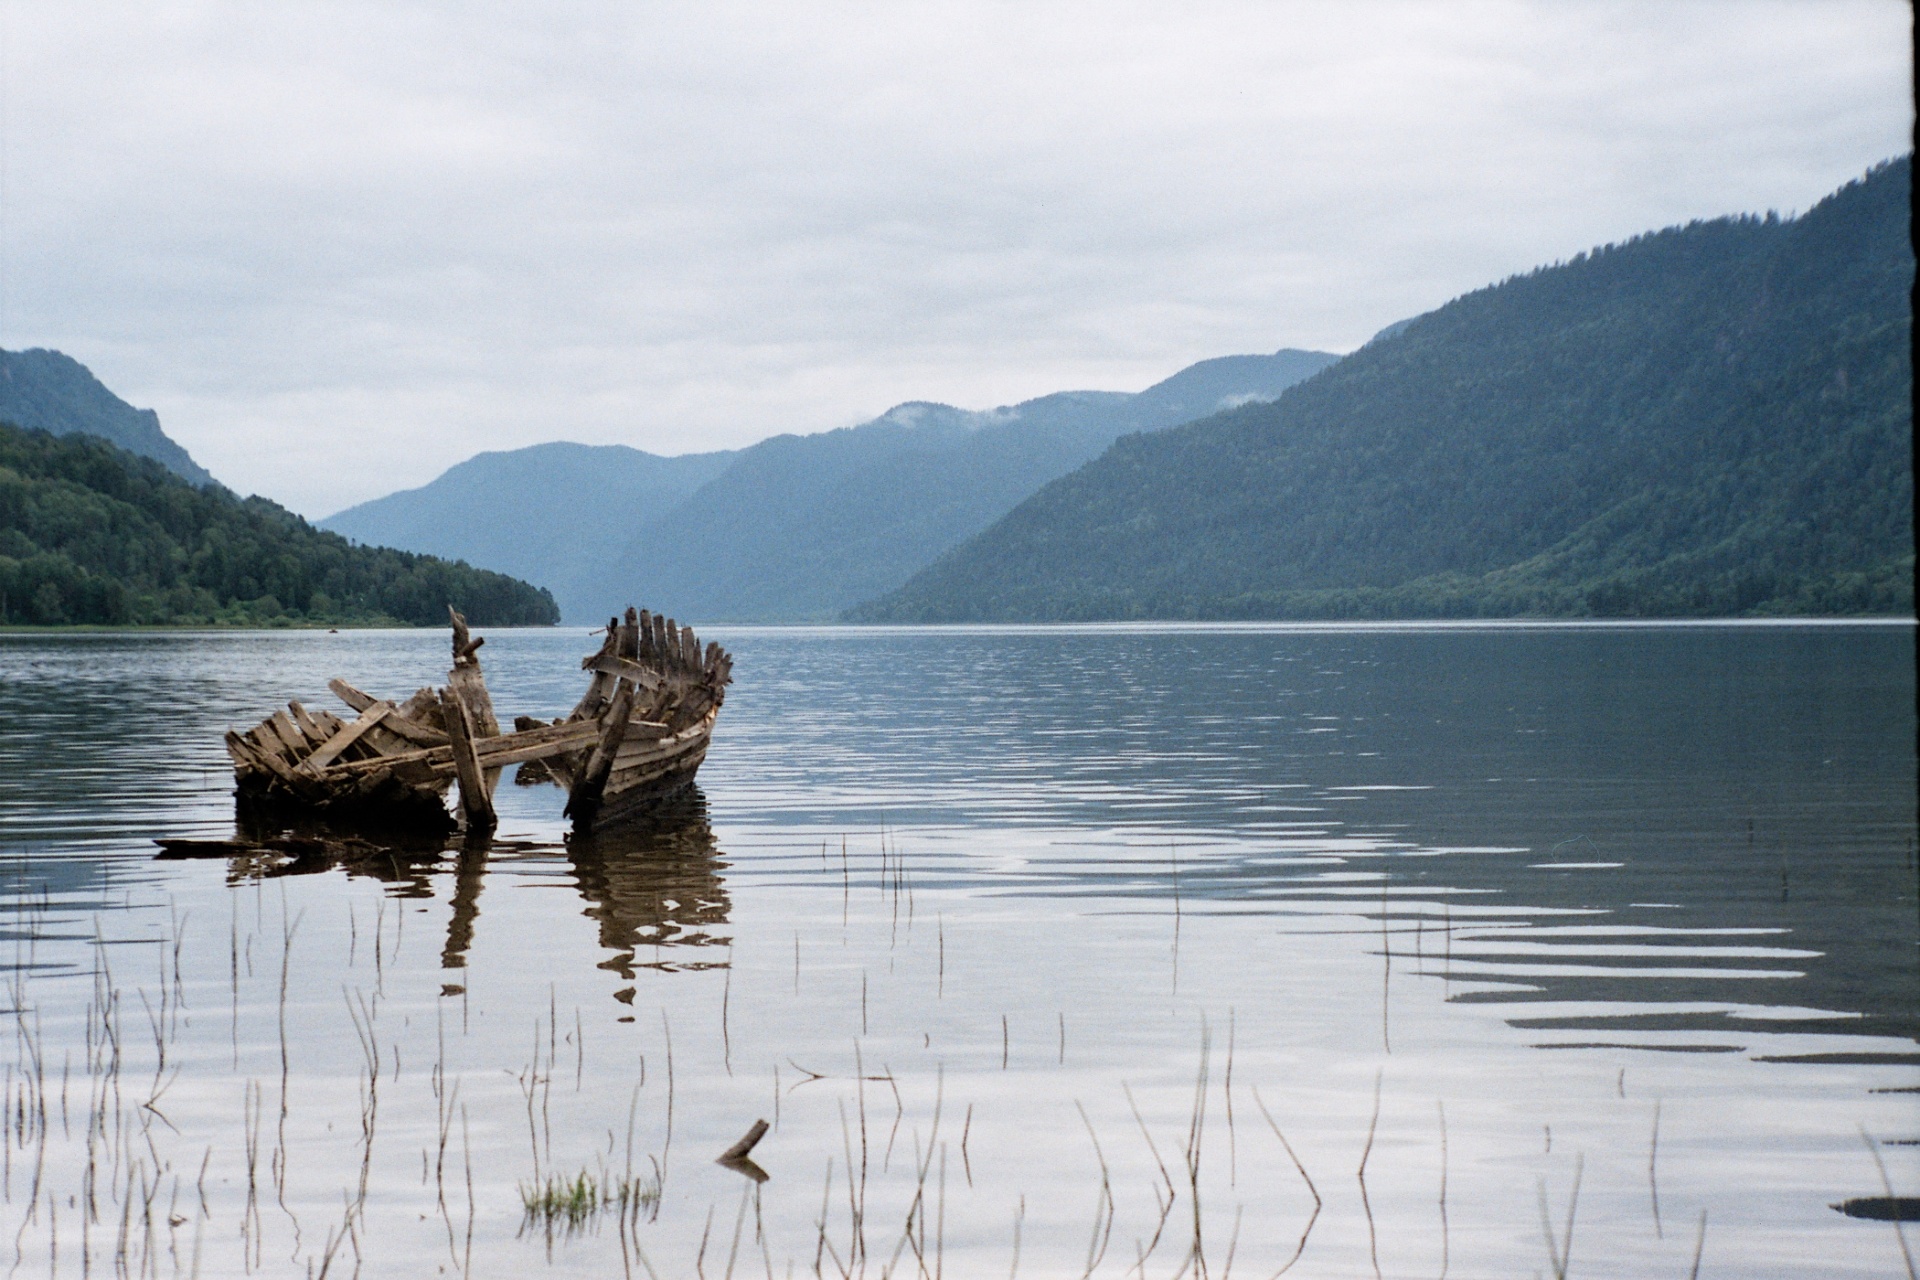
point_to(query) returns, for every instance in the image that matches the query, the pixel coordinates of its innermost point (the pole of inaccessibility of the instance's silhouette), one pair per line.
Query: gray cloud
(341, 246)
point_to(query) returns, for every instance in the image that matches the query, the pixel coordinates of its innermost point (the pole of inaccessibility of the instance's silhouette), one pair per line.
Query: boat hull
(638, 735)
(646, 772)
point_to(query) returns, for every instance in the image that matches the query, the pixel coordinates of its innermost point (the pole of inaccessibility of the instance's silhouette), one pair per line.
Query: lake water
(1437, 951)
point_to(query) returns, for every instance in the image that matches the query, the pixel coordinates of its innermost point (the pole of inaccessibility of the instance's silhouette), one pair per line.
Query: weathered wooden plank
(600, 688)
(373, 742)
(245, 755)
(493, 753)
(474, 697)
(423, 707)
(621, 781)
(610, 643)
(475, 802)
(308, 726)
(413, 731)
(264, 740)
(585, 793)
(627, 669)
(298, 783)
(290, 736)
(536, 744)
(634, 748)
(399, 722)
(339, 742)
(351, 696)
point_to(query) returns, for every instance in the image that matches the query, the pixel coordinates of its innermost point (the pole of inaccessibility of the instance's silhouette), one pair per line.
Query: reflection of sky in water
(1681, 859)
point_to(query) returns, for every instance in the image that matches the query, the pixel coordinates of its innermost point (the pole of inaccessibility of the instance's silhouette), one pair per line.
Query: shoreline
(1157, 625)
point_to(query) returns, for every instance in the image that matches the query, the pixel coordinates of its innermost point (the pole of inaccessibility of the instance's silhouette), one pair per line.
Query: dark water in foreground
(1044, 951)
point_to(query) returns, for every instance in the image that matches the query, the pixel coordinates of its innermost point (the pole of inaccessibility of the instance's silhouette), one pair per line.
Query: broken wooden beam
(509, 748)
(330, 750)
(476, 805)
(399, 723)
(593, 776)
(608, 664)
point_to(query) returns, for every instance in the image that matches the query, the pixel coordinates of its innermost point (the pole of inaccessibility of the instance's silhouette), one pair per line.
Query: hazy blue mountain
(1711, 419)
(542, 513)
(46, 391)
(801, 527)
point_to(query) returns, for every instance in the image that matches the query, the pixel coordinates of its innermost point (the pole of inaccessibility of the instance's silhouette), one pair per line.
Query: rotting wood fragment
(476, 803)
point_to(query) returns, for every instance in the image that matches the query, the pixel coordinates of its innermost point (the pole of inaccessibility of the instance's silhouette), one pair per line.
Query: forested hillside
(90, 533)
(54, 392)
(1709, 420)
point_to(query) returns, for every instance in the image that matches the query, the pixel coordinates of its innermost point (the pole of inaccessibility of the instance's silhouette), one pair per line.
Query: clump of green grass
(572, 1204)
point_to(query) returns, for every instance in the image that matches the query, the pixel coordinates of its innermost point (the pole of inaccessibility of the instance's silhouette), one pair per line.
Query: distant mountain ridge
(1708, 420)
(538, 513)
(794, 528)
(46, 391)
(800, 528)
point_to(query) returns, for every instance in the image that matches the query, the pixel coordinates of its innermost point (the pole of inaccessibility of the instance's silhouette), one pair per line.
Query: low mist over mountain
(544, 513)
(796, 527)
(47, 391)
(1710, 419)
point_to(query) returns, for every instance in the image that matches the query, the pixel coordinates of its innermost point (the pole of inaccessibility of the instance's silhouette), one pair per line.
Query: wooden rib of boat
(639, 734)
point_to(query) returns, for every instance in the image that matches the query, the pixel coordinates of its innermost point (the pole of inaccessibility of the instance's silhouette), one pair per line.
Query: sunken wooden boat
(638, 735)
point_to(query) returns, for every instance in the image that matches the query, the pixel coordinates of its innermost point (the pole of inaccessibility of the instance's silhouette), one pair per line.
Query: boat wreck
(638, 734)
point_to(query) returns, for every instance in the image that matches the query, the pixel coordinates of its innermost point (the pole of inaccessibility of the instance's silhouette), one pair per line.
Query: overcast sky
(343, 246)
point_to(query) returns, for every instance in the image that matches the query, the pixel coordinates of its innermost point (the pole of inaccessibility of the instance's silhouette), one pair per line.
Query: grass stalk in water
(572, 1204)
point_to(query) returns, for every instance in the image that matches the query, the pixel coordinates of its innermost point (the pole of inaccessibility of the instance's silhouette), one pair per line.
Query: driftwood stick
(743, 1148)
(476, 804)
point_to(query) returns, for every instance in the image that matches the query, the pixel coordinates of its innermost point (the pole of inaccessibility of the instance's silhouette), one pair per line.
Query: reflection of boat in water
(639, 733)
(652, 883)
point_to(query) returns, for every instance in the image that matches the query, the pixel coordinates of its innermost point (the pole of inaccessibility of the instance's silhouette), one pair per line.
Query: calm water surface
(1398, 951)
